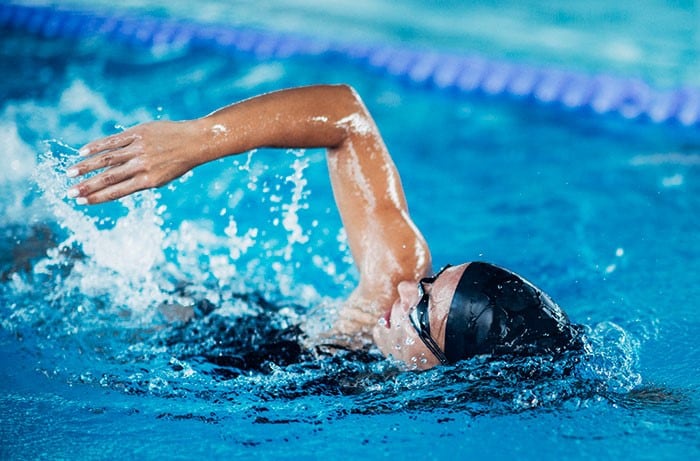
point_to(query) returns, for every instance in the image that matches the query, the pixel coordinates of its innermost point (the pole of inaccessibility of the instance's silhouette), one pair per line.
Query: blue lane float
(469, 74)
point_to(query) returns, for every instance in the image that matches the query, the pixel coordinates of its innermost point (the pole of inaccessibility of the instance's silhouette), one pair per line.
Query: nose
(408, 293)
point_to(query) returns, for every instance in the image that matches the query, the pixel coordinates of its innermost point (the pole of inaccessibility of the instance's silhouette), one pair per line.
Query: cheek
(387, 337)
(399, 341)
(381, 333)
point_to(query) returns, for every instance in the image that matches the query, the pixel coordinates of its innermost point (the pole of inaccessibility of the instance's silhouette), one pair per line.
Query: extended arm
(386, 245)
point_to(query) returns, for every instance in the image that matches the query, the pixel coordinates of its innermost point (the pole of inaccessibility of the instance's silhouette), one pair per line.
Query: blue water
(600, 212)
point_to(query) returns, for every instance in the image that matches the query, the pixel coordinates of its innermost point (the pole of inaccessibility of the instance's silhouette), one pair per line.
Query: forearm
(305, 117)
(153, 154)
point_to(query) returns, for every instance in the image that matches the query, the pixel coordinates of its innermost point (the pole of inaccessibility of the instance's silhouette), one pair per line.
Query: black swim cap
(497, 312)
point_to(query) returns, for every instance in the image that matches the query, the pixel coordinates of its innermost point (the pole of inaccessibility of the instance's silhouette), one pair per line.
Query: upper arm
(384, 241)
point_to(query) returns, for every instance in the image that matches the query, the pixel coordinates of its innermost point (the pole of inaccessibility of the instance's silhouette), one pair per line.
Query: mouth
(387, 316)
(388, 313)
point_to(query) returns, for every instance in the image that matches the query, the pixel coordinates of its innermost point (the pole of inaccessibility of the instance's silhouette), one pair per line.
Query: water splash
(221, 346)
(207, 353)
(18, 164)
(118, 262)
(290, 211)
(128, 263)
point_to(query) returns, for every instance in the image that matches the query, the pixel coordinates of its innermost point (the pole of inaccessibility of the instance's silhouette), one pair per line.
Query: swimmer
(464, 310)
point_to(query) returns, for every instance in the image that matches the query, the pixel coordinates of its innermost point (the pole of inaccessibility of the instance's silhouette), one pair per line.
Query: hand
(142, 157)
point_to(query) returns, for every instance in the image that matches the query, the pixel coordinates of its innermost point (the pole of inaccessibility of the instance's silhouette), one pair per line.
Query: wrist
(217, 138)
(201, 140)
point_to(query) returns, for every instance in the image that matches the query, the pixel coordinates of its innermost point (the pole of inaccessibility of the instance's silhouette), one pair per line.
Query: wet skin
(394, 334)
(390, 253)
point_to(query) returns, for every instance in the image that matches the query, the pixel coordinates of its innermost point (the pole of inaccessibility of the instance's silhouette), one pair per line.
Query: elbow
(354, 118)
(346, 97)
(350, 92)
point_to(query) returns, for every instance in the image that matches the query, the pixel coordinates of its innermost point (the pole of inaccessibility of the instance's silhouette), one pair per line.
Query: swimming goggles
(420, 317)
(495, 311)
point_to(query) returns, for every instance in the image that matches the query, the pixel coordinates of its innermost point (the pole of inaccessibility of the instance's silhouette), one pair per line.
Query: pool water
(598, 211)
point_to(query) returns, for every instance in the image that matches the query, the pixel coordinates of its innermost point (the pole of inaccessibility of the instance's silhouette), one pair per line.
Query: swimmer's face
(397, 338)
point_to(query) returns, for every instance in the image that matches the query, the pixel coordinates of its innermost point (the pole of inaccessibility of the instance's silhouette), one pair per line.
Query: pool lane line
(601, 94)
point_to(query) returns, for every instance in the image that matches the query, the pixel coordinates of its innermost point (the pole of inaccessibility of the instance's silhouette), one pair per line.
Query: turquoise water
(600, 212)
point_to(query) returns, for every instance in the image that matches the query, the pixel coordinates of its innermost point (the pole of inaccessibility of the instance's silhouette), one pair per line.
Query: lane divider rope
(470, 74)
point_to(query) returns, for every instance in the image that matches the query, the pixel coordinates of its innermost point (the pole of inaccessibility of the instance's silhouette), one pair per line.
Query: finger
(104, 160)
(107, 194)
(104, 180)
(110, 142)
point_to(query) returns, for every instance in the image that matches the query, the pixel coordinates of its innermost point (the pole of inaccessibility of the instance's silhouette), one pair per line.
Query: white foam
(120, 260)
(132, 262)
(18, 164)
(15, 156)
(45, 120)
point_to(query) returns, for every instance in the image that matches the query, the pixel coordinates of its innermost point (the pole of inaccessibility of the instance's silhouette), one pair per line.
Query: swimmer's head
(468, 310)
